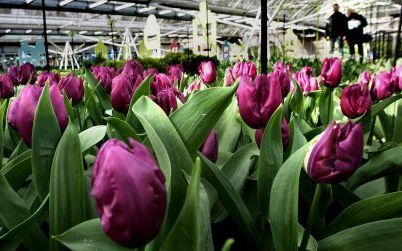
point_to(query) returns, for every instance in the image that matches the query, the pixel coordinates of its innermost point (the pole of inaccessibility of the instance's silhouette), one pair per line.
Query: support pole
(45, 35)
(208, 48)
(264, 37)
(398, 40)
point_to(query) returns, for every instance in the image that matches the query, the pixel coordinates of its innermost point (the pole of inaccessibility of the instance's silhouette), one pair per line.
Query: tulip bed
(132, 159)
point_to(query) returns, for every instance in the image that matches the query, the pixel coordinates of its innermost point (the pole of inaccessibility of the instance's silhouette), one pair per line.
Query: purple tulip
(6, 87)
(132, 68)
(24, 110)
(210, 147)
(355, 100)
(258, 99)
(284, 76)
(365, 78)
(229, 79)
(13, 74)
(397, 77)
(105, 76)
(259, 134)
(305, 80)
(150, 72)
(337, 153)
(195, 86)
(12, 112)
(26, 72)
(122, 91)
(331, 72)
(73, 87)
(175, 72)
(382, 86)
(244, 68)
(207, 72)
(129, 190)
(159, 82)
(48, 77)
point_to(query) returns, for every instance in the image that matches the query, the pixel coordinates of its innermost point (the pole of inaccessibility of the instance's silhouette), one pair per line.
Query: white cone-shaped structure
(128, 42)
(68, 58)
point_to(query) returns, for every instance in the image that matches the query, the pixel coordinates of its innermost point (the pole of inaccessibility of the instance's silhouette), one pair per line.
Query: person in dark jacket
(336, 29)
(356, 23)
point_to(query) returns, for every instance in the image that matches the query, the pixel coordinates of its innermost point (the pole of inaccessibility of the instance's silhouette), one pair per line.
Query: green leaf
(231, 199)
(123, 128)
(2, 111)
(378, 235)
(271, 159)
(285, 193)
(144, 89)
(185, 233)
(312, 244)
(297, 139)
(13, 212)
(93, 109)
(229, 128)
(326, 105)
(69, 107)
(172, 156)
(373, 209)
(378, 166)
(297, 101)
(381, 105)
(88, 236)
(196, 118)
(18, 169)
(45, 136)
(228, 245)
(103, 97)
(67, 185)
(91, 136)
(12, 239)
(397, 133)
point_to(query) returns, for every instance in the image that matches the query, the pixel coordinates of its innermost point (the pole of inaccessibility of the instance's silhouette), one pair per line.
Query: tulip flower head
(382, 86)
(150, 72)
(365, 78)
(122, 91)
(355, 100)
(12, 72)
(26, 74)
(259, 134)
(207, 71)
(305, 80)
(159, 82)
(132, 68)
(258, 99)
(12, 112)
(337, 153)
(284, 76)
(48, 77)
(210, 147)
(195, 86)
(129, 190)
(331, 72)
(175, 72)
(244, 68)
(73, 87)
(397, 77)
(6, 87)
(105, 75)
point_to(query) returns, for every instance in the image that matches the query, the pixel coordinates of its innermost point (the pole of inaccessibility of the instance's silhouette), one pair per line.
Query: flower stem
(311, 217)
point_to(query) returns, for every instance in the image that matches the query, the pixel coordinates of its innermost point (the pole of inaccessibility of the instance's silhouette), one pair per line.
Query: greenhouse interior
(192, 125)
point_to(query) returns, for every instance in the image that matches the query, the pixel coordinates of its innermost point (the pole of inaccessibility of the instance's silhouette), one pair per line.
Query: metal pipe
(45, 35)
(264, 37)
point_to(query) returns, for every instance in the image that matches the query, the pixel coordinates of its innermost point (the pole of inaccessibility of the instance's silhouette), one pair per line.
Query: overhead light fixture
(82, 32)
(48, 31)
(98, 32)
(180, 14)
(29, 1)
(163, 12)
(124, 6)
(146, 9)
(67, 31)
(113, 33)
(233, 18)
(8, 30)
(98, 3)
(64, 2)
(28, 31)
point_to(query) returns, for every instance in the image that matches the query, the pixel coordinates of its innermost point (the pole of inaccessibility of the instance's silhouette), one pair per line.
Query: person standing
(356, 23)
(336, 29)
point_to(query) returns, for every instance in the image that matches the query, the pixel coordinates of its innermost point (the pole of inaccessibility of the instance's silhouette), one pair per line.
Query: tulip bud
(175, 72)
(229, 79)
(26, 72)
(207, 72)
(132, 68)
(48, 77)
(331, 72)
(355, 100)
(284, 76)
(73, 87)
(167, 99)
(365, 78)
(150, 72)
(210, 147)
(397, 77)
(337, 153)
(122, 90)
(12, 112)
(26, 108)
(259, 134)
(258, 99)
(244, 68)
(6, 87)
(105, 76)
(159, 82)
(195, 86)
(305, 80)
(129, 190)
(382, 86)
(13, 74)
